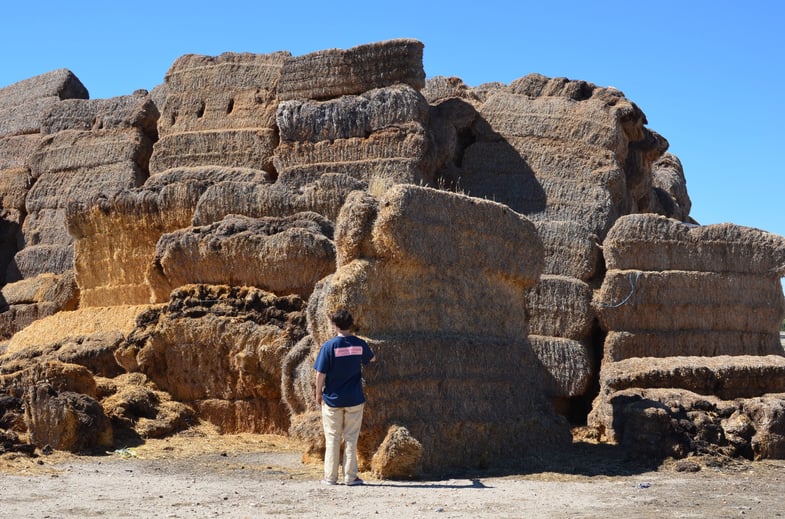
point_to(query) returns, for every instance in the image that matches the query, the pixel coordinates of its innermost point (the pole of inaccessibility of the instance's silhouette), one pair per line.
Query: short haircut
(342, 319)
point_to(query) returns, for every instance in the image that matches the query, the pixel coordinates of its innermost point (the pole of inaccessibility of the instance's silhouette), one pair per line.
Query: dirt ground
(199, 474)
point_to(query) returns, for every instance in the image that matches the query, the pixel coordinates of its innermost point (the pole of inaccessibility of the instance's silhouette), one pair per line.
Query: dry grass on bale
(82, 322)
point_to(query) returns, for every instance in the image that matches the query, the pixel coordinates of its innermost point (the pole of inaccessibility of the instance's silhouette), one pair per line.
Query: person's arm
(320, 378)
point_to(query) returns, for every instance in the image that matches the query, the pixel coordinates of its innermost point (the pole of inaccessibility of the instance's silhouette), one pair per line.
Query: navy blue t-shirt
(341, 360)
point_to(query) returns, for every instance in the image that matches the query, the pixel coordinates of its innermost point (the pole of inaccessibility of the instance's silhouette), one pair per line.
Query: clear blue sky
(708, 74)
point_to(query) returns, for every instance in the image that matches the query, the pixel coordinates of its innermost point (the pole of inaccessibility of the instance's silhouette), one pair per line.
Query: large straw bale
(286, 255)
(16, 150)
(333, 73)
(220, 349)
(570, 249)
(651, 242)
(560, 306)
(82, 322)
(620, 345)
(132, 111)
(688, 300)
(115, 237)
(569, 363)
(15, 183)
(391, 156)
(22, 104)
(728, 377)
(230, 70)
(350, 116)
(250, 148)
(324, 196)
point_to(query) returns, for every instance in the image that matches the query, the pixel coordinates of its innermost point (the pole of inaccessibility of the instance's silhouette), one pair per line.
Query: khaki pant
(341, 422)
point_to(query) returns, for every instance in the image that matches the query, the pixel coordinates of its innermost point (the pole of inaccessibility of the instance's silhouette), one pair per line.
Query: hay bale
(219, 111)
(333, 73)
(324, 196)
(391, 156)
(669, 187)
(620, 345)
(569, 363)
(399, 456)
(22, 104)
(31, 299)
(441, 88)
(727, 377)
(570, 249)
(115, 237)
(15, 150)
(689, 300)
(652, 242)
(350, 116)
(560, 306)
(286, 255)
(35, 260)
(220, 350)
(122, 112)
(297, 378)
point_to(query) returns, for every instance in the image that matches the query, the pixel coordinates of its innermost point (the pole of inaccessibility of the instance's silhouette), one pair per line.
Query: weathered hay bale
(669, 187)
(15, 150)
(297, 382)
(728, 377)
(22, 103)
(95, 352)
(30, 299)
(122, 112)
(82, 322)
(350, 116)
(651, 242)
(688, 300)
(286, 255)
(219, 111)
(115, 237)
(136, 409)
(332, 73)
(560, 306)
(35, 260)
(65, 421)
(472, 429)
(324, 196)
(441, 88)
(620, 345)
(251, 148)
(220, 350)
(569, 363)
(208, 175)
(15, 183)
(399, 456)
(390, 156)
(62, 377)
(570, 249)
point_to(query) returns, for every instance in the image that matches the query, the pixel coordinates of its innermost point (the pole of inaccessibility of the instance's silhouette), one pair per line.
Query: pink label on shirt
(347, 351)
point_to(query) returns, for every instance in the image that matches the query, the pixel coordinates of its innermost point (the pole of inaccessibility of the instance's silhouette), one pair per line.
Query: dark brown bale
(332, 73)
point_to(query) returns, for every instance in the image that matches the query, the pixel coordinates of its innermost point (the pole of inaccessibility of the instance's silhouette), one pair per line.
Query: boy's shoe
(355, 483)
(328, 482)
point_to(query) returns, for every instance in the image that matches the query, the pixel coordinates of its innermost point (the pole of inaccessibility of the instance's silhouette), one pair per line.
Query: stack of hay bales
(23, 107)
(439, 296)
(355, 112)
(689, 310)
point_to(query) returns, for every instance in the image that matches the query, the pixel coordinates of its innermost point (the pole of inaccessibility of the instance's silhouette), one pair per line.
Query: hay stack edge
(520, 256)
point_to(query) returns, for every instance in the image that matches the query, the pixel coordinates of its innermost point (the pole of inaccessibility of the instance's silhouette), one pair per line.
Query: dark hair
(342, 319)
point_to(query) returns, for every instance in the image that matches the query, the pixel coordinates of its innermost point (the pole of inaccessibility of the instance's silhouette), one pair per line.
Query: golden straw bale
(82, 322)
